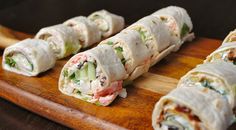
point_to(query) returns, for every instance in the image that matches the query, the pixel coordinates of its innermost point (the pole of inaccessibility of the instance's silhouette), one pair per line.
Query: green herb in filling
(109, 43)
(119, 51)
(143, 36)
(11, 62)
(206, 83)
(184, 30)
(72, 76)
(65, 73)
(78, 92)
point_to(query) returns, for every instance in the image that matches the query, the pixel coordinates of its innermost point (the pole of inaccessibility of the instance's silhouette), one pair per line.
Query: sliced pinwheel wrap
(226, 52)
(216, 76)
(179, 23)
(155, 36)
(107, 22)
(231, 37)
(63, 40)
(132, 52)
(87, 30)
(95, 76)
(28, 57)
(189, 108)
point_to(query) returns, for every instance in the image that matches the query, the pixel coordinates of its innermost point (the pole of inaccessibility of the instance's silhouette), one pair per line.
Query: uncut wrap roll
(179, 23)
(132, 52)
(155, 36)
(63, 40)
(94, 76)
(226, 53)
(87, 30)
(107, 22)
(217, 76)
(231, 37)
(28, 57)
(179, 110)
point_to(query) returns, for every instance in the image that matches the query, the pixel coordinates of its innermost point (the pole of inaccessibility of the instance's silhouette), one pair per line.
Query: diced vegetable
(11, 62)
(83, 73)
(91, 71)
(119, 51)
(185, 30)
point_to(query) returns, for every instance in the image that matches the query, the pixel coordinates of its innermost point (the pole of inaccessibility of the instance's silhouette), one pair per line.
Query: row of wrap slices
(33, 56)
(99, 75)
(205, 98)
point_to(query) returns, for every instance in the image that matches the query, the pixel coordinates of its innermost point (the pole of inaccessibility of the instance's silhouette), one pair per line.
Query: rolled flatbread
(226, 53)
(217, 76)
(87, 30)
(189, 108)
(107, 22)
(155, 36)
(231, 37)
(94, 76)
(132, 52)
(63, 40)
(179, 23)
(28, 57)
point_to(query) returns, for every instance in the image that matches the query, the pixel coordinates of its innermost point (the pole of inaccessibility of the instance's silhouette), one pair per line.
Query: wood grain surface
(41, 95)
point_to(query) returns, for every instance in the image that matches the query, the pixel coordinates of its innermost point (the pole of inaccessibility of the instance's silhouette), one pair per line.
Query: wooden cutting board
(40, 94)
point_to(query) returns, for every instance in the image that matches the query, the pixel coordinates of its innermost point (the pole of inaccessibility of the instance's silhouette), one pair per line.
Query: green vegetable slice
(91, 71)
(9, 61)
(83, 73)
(185, 30)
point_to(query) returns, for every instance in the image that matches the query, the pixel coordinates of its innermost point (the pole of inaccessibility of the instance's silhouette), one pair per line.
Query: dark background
(211, 18)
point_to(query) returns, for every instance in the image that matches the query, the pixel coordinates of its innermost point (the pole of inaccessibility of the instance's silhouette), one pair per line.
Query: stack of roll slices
(33, 56)
(205, 98)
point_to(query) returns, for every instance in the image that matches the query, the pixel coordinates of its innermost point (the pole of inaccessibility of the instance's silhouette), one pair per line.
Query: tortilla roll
(87, 30)
(63, 40)
(154, 34)
(28, 57)
(132, 52)
(226, 53)
(189, 108)
(95, 76)
(178, 22)
(217, 76)
(107, 22)
(231, 37)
